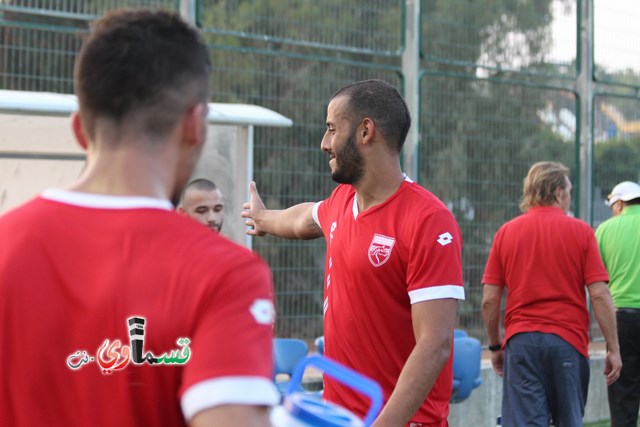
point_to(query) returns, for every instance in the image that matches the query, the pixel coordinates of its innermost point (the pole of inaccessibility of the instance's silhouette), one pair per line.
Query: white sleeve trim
(315, 214)
(436, 292)
(228, 390)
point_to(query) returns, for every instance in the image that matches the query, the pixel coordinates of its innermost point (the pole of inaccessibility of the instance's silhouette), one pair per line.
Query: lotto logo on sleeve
(263, 311)
(445, 238)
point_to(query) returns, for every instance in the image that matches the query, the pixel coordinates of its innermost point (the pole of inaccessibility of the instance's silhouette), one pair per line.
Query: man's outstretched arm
(295, 222)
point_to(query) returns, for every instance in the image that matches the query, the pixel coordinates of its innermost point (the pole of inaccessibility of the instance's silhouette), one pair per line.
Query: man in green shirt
(619, 242)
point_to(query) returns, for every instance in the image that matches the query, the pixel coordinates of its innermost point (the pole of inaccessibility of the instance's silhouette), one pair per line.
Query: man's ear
(367, 130)
(558, 193)
(78, 131)
(180, 209)
(193, 123)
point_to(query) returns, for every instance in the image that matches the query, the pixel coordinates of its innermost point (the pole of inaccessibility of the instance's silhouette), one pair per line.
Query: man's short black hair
(382, 103)
(145, 65)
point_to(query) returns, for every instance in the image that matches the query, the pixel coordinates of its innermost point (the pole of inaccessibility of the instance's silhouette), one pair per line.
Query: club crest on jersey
(380, 249)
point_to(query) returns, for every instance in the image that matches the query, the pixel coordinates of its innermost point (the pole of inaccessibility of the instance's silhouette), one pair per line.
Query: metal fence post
(585, 91)
(411, 78)
(188, 11)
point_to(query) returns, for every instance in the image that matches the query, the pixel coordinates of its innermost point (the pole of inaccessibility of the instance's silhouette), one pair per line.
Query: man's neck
(127, 171)
(375, 189)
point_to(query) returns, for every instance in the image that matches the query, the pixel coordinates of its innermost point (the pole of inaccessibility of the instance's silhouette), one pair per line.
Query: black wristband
(495, 347)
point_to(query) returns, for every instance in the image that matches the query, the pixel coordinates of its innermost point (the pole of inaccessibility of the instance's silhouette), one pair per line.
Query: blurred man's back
(115, 310)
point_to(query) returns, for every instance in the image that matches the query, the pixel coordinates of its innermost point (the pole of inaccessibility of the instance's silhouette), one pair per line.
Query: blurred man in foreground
(115, 310)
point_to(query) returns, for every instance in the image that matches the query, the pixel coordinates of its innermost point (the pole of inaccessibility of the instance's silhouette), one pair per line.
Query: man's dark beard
(349, 163)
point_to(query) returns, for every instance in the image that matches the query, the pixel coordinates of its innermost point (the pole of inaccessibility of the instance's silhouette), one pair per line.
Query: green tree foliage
(39, 39)
(480, 136)
(615, 160)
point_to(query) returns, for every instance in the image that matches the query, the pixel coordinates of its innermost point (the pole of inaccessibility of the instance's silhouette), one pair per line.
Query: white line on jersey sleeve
(233, 390)
(315, 214)
(436, 292)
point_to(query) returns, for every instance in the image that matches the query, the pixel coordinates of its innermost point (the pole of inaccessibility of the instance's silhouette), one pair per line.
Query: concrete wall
(39, 152)
(483, 407)
(225, 161)
(24, 138)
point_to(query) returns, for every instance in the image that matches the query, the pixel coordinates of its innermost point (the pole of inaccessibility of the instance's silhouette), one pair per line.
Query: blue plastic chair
(287, 352)
(319, 342)
(467, 356)
(458, 333)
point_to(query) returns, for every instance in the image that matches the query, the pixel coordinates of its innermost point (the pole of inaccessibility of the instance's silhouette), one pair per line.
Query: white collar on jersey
(104, 201)
(355, 201)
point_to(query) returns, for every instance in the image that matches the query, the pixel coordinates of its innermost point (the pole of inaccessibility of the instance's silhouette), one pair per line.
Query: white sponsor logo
(380, 249)
(263, 311)
(445, 238)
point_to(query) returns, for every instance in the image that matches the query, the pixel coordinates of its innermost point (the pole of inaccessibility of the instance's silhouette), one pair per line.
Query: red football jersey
(545, 258)
(74, 268)
(379, 262)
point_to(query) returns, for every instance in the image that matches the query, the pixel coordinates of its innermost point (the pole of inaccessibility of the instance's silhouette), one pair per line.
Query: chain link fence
(498, 92)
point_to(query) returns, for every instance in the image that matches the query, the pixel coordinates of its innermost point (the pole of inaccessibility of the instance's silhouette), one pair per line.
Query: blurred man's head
(140, 75)
(547, 184)
(203, 201)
